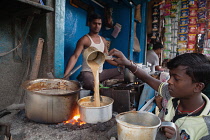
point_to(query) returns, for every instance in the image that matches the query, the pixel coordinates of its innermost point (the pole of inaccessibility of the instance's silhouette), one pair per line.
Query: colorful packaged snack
(174, 33)
(192, 29)
(173, 13)
(208, 25)
(193, 3)
(193, 12)
(174, 40)
(184, 12)
(167, 46)
(168, 28)
(167, 12)
(184, 4)
(167, 37)
(192, 38)
(201, 28)
(167, 20)
(184, 21)
(206, 51)
(192, 20)
(154, 35)
(182, 44)
(176, 23)
(208, 5)
(208, 44)
(208, 14)
(183, 37)
(166, 54)
(202, 3)
(155, 19)
(155, 10)
(174, 47)
(201, 16)
(208, 34)
(183, 29)
(191, 45)
(174, 5)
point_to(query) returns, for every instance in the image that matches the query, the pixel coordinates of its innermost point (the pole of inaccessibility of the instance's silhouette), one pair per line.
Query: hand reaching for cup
(119, 58)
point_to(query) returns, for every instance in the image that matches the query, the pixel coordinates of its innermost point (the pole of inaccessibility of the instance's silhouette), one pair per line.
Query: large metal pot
(91, 114)
(51, 100)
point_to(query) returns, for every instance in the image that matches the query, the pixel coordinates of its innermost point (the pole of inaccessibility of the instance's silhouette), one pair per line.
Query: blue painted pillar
(59, 38)
(131, 34)
(143, 31)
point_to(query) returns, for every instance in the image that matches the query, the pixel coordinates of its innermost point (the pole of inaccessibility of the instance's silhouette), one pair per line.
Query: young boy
(183, 100)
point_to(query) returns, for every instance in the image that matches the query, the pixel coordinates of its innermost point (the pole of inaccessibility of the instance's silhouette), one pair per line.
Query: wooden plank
(37, 60)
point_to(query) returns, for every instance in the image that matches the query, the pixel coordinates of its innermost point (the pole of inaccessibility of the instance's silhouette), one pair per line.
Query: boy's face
(95, 25)
(180, 84)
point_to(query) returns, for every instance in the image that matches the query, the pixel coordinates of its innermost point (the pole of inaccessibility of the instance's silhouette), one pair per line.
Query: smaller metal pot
(136, 125)
(91, 114)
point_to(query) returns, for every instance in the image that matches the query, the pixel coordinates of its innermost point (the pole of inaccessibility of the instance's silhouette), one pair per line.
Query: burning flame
(75, 120)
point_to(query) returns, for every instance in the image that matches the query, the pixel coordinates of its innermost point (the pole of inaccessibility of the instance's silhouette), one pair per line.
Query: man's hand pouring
(119, 58)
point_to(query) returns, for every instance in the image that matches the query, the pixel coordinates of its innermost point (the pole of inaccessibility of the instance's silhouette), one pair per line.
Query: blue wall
(75, 28)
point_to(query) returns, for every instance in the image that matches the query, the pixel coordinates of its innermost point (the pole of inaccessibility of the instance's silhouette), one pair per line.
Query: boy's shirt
(190, 127)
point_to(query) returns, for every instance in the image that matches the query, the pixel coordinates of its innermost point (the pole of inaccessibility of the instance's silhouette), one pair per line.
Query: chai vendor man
(153, 57)
(183, 100)
(92, 39)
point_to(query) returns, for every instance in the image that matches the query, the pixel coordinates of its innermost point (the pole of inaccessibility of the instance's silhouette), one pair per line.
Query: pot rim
(112, 101)
(133, 125)
(25, 85)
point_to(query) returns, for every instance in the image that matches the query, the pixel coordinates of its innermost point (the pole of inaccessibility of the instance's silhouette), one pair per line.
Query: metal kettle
(129, 77)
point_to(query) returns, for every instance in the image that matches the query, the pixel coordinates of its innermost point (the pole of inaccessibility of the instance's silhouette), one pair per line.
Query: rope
(5, 53)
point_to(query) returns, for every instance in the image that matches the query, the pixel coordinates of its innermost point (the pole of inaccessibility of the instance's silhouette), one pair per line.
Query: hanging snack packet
(155, 19)
(183, 29)
(208, 34)
(208, 5)
(201, 28)
(208, 25)
(167, 37)
(183, 37)
(201, 16)
(193, 12)
(184, 12)
(193, 20)
(154, 27)
(166, 54)
(192, 38)
(192, 29)
(193, 3)
(202, 4)
(167, 20)
(182, 44)
(168, 28)
(184, 4)
(191, 45)
(208, 14)
(167, 46)
(184, 21)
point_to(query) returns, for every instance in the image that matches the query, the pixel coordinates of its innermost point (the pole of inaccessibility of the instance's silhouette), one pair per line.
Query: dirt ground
(24, 129)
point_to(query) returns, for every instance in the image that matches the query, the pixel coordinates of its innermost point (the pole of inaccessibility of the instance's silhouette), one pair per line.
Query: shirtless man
(92, 39)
